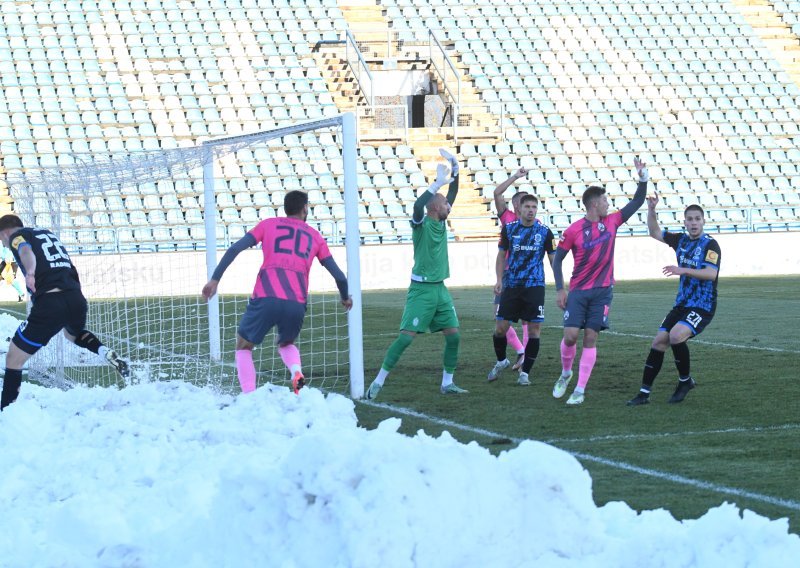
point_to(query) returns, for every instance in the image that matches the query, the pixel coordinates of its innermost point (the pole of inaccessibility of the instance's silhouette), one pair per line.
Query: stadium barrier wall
(388, 266)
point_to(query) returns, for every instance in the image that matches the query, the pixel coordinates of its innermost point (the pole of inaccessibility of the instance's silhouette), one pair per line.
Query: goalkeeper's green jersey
(431, 263)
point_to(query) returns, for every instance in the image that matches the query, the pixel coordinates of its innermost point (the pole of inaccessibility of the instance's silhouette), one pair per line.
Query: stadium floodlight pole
(352, 248)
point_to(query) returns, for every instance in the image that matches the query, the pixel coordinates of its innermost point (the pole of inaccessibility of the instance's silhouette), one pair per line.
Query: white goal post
(146, 230)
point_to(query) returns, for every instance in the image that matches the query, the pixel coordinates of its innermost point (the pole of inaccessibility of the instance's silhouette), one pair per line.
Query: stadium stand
(584, 87)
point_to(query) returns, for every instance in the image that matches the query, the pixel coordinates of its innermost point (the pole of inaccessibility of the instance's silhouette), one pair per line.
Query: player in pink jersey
(506, 216)
(289, 246)
(591, 241)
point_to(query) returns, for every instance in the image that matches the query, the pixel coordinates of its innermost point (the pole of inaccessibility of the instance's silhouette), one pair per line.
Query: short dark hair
(519, 195)
(528, 197)
(294, 202)
(694, 207)
(10, 221)
(592, 193)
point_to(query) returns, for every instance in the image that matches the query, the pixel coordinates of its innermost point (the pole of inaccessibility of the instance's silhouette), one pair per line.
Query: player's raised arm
(442, 177)
(652, 220)
(499, 200)
(452, 191)
(233, 251)
(641, 190)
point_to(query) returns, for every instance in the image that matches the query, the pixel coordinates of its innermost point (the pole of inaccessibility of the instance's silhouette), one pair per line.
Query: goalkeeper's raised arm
(452, 191)
(442, 177)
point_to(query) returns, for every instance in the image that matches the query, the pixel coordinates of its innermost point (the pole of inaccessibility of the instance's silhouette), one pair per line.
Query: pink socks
(513, 340)
(291, 357)
(246, 370)
(588, 357)
(567, 356)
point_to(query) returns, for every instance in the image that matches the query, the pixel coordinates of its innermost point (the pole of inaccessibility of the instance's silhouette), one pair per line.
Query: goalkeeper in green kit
(429, 306)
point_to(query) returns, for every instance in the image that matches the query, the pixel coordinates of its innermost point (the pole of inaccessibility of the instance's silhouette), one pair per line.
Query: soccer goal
(146, 229)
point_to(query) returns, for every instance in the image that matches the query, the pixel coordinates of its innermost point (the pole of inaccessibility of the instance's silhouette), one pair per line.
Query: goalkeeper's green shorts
(429, 307)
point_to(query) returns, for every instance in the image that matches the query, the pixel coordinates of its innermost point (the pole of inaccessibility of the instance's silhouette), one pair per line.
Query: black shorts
(51, 313)
(526, 304)
(589, 308)
(693, 318)
(262, 314)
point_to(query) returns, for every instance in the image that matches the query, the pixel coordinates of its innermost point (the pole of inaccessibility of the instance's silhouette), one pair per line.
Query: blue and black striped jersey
(526, 247)
(695, 253)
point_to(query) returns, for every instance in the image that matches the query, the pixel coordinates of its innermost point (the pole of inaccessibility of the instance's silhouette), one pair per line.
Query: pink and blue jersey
(592, 246)
(507, 217)
(289, 246)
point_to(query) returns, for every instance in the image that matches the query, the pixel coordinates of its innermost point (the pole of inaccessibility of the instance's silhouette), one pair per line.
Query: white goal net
(146, 229)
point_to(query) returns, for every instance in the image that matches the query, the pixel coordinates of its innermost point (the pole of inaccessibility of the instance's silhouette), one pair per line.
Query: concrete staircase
(777, 36)
(470, 218)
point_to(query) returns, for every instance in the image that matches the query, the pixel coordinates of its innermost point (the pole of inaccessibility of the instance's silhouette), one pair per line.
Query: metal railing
(448, 74)
(467, 122)
(358, 65)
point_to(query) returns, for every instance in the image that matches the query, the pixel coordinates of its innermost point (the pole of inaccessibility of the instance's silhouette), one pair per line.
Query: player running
(58, 302)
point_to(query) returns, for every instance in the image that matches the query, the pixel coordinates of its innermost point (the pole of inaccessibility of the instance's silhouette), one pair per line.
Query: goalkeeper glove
(442, 178)
(452, 159)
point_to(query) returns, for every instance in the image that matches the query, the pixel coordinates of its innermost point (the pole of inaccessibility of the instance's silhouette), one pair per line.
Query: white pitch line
(674, 478)
(712, 343)
(645, 336)
(612, 437)
(696, 483)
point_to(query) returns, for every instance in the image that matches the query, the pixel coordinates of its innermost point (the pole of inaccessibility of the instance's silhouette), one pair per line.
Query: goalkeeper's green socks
(396, 349)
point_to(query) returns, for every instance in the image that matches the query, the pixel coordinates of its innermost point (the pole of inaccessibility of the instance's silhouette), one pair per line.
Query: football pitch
(735, 437)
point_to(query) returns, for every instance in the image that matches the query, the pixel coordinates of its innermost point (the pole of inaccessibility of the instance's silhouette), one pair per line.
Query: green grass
(738, 430)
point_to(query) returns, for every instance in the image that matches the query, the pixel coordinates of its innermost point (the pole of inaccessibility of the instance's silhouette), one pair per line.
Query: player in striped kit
(506, 216)
(520, 284)
(698, 256)
(289, 246)
(591, 241)
(58, 304)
